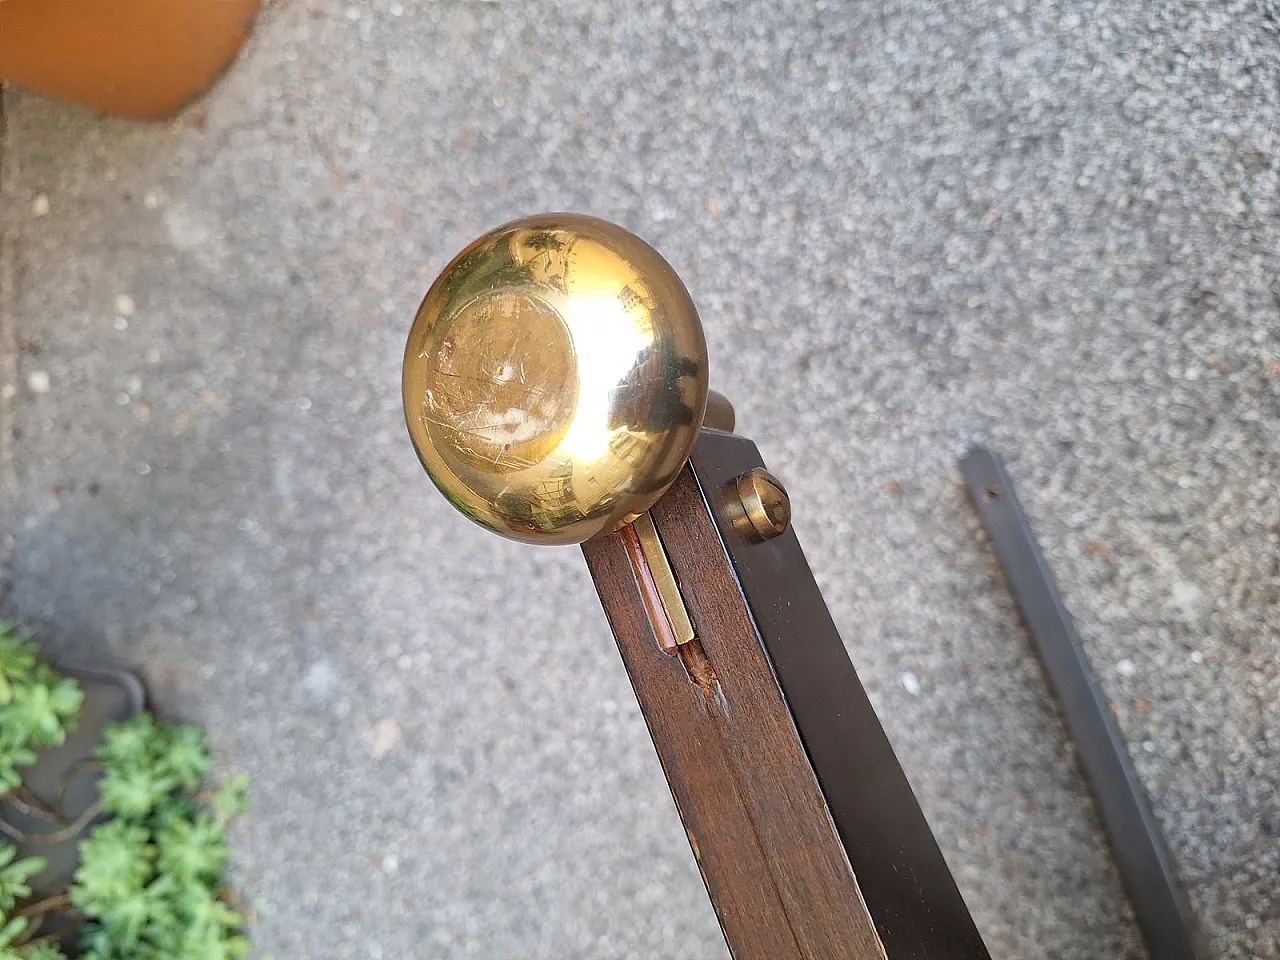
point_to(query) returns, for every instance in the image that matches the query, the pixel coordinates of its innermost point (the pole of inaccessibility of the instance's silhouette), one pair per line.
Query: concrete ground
(908, 225)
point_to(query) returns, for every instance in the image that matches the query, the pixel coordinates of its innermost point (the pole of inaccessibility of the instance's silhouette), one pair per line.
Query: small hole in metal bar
(993, 493)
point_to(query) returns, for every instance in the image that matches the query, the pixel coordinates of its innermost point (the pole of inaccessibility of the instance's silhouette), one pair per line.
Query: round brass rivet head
(763, 503)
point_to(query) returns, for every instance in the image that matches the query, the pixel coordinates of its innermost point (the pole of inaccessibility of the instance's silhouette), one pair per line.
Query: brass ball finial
(555, 378)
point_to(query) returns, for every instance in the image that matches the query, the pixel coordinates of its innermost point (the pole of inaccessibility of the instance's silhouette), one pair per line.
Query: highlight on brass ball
(555, 378)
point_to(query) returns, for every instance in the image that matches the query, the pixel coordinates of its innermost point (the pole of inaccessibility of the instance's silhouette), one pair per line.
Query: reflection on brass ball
(555, 378)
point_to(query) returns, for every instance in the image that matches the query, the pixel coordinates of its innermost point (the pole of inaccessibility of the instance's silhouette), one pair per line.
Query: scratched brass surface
(554, 378)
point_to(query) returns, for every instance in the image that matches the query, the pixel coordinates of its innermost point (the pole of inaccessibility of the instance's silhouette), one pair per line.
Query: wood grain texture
(918, 911)
(757, 822)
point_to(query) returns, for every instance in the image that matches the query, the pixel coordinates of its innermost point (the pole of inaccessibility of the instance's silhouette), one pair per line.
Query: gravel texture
(909, 226)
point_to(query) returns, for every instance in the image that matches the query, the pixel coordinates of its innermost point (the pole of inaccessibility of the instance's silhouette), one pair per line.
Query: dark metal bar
(1136, 841)
(908, 890)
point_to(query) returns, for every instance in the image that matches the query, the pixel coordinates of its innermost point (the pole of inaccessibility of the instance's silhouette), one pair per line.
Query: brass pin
(758, 505)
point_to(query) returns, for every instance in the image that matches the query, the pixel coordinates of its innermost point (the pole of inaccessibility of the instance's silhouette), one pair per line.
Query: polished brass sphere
(555, 378)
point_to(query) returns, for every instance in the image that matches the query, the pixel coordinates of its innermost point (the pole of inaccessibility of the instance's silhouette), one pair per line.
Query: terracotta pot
(136, 58)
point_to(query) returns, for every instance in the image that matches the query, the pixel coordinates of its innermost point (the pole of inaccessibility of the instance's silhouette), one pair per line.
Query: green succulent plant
(149, 884)
(38, 708)
(14, 875)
